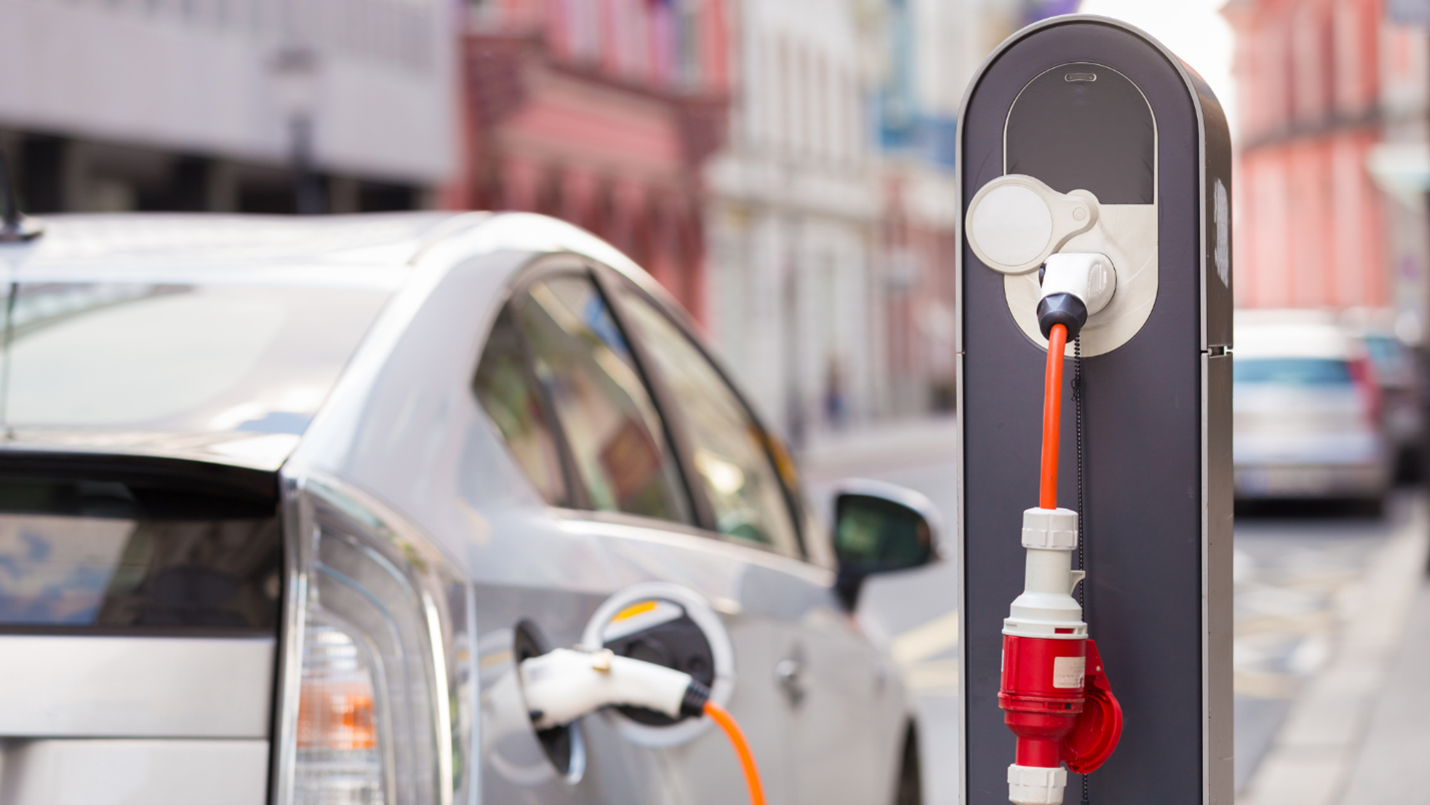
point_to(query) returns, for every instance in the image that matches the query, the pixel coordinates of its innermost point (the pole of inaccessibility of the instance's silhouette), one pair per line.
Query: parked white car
(1307, 414)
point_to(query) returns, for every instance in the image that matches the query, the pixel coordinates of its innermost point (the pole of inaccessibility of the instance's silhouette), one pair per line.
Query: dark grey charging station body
(1085, 103)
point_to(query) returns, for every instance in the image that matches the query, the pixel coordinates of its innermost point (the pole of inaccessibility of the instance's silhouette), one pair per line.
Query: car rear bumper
(1311, 480)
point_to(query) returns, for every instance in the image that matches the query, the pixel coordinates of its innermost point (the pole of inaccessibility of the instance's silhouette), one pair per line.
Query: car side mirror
(880, 528)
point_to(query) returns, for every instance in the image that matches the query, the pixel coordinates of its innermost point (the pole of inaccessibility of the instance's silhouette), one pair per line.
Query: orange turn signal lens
(336, 715)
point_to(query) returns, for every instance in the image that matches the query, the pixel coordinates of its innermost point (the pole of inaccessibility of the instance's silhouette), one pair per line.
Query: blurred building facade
(785, 169)
(600, 113)
(1401, 167)
(140, 105)
(794, 215)
(919, 87)
(832, 209)
(1323, 85)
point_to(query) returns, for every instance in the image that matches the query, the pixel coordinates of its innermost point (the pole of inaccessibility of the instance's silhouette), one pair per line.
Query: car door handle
(788, 673)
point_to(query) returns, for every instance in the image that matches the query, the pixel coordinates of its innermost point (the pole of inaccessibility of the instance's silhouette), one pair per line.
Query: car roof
(359, 250)
(369, 251)
(363, 249)
(218, 239)
(1258, 317)
(1306, 339)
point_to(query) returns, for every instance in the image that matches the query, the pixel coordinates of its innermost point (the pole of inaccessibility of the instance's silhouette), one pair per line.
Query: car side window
(602, 407)
(729, 450)
(512, 400)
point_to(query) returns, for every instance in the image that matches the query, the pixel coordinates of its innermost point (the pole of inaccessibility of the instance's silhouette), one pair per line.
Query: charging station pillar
(1091, 104)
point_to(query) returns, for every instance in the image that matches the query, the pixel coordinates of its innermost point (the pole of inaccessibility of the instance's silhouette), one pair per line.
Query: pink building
(1311, 224)
(600, 112)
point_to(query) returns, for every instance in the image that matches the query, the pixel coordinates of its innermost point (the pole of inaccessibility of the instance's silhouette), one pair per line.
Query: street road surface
(1299, 572)
(1326, 656)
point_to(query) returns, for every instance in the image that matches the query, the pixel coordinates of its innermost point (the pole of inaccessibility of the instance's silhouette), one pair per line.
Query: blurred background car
(1388, 342)
(1308, 415)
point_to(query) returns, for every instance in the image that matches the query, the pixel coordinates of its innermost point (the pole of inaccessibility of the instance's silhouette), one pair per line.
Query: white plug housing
(1035, 785)
(564, 685)
(1046, 608)
(1087, 275)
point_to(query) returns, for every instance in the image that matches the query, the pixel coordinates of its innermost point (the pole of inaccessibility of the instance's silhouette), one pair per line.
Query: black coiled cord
(1077, 384)
(1078, 403)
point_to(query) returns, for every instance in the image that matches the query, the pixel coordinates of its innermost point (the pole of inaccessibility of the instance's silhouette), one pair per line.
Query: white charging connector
(1088, 276)
(1075, 285)
(564, 685)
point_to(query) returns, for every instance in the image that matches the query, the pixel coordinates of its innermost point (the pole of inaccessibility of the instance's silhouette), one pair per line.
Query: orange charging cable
(727, 723)
(1052, 416)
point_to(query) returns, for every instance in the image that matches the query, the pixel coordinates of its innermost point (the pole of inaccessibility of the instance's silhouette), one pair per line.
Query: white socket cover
(1015, 221)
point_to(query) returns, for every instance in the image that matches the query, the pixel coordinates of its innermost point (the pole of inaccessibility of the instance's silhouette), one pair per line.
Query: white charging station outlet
(1016, 221)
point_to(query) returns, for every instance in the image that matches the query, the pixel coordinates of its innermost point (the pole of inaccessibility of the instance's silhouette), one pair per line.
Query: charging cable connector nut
(1050, 529)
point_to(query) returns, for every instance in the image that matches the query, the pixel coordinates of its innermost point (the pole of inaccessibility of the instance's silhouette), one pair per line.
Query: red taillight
(1363, 373)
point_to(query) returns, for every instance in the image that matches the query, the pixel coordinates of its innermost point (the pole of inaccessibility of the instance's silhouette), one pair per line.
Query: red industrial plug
(1054, 693)
(1056, 699)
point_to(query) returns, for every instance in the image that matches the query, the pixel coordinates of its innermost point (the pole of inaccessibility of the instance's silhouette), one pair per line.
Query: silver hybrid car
(284, 502)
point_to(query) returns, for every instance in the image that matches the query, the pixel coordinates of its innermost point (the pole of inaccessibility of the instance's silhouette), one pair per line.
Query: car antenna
(15, 227)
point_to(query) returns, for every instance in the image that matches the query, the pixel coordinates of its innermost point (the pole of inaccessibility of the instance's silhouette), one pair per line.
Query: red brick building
(600, 112)
(1311, 225)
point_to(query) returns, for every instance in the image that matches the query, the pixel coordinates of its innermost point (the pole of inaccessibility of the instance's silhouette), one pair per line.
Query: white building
(792, 224)
(176, 104)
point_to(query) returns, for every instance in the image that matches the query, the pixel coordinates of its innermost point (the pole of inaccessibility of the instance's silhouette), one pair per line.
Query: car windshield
(178, 358)
(1292, 371)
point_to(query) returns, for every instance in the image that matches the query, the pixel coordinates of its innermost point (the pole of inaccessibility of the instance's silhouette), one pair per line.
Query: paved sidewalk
(1395, 752)
(1335, 737)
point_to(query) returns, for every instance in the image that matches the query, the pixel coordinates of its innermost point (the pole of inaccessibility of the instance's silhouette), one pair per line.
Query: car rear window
(1292, 371)
(115, 556)
(1388, 355)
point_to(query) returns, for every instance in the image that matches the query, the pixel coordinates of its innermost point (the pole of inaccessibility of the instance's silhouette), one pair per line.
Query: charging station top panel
(1084, 126)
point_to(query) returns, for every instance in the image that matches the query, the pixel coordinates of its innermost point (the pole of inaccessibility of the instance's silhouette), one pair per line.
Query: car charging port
(656, 658)
(661, 632)
(670, 625)
(564, 685)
